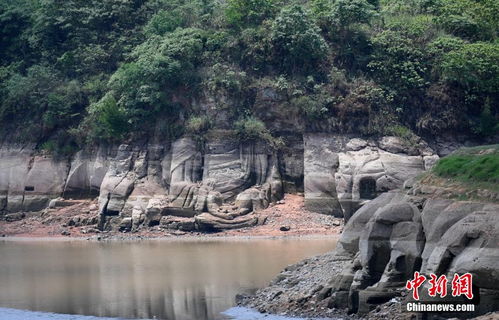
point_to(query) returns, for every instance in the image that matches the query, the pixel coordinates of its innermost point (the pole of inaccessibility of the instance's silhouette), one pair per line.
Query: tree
(163, 22)
(471, 19)
(108, 120)
(244, 13)
(474, 70)
(43, 95)
(296, 41)
(160, 65)
(14, 30)
(474, 66)
(343, 22)
(397, 63)
(347, 12)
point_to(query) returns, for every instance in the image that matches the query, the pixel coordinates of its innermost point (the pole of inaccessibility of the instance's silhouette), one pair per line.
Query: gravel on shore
(289, 218)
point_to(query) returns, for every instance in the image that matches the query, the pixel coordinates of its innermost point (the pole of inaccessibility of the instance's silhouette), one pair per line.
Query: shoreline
(193, 238)
(288, 219)
(235, 313)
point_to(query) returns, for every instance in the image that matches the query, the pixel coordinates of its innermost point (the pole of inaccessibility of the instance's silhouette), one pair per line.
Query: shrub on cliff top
(253, 129)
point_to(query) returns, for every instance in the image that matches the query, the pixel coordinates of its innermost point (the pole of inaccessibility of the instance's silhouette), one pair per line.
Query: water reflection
(175, 280)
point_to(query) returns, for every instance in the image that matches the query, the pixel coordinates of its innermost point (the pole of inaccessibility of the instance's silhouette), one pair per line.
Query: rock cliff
(382, 245)
(211, 186)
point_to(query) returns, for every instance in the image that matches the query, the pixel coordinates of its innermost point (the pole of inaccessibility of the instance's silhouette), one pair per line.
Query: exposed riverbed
(161, 279)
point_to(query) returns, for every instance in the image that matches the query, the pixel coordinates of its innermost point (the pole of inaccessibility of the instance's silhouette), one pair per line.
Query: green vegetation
(252, 129)
(471, 165)
(87, 71)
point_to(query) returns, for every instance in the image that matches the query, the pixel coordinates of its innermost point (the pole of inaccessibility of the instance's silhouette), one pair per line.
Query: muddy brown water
(175, 280)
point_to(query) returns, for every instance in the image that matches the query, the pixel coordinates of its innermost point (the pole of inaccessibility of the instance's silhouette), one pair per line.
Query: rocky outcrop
(321, 163)
(27, 181)
(342, 172)
(462, 237)
(87, 173)
(143, 183)
(381, 247)
(405, 234)
(180, 181)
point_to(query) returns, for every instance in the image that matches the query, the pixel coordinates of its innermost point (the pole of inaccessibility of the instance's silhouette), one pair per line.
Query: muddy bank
(288, 218)
(297, 290)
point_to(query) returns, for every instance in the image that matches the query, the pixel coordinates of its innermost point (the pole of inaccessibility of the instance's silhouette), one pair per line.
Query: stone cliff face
(381, 247)
(216, 186)
(397, 234)
(343, 172)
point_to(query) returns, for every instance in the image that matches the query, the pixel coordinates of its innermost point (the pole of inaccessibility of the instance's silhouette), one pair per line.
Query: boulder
(11, 217)
(138, 217)
(348, 243)
(430, 161)
(208, 222)
(381, 245)
(356, 144)
(397, 145)
(125, 224)
(252, 199)
(117, 197)
(155, 209)
(178, 223)
(438, 216)
(468, 245)
(394, 235)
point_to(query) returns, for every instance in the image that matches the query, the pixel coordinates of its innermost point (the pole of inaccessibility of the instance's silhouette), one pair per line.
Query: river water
(162, 279)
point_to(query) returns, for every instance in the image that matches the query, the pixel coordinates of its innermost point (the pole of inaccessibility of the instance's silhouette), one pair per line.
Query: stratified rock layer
(381, 247)
(139, 184)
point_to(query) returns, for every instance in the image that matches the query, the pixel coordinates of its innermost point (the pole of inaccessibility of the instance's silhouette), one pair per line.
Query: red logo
(415, 284)
(438, 286)
(461, 285)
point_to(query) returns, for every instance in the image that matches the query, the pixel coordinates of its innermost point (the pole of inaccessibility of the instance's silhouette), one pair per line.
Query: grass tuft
(471, 165)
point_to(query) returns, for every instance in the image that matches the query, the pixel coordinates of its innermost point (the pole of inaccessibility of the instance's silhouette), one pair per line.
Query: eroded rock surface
(139, 184)
(28, 182)
(381, 247)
